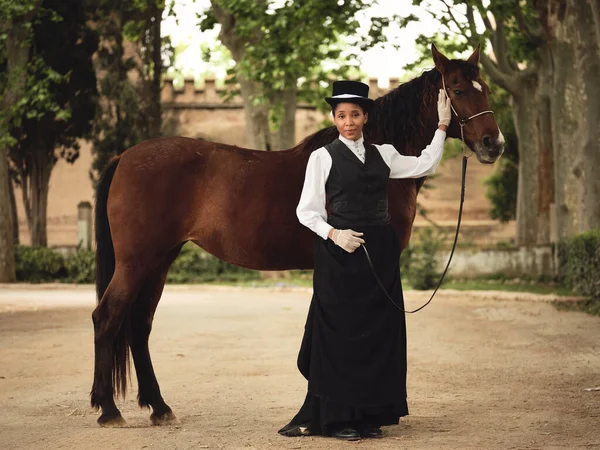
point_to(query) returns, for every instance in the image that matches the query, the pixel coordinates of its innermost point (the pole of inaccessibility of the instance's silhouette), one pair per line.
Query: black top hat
(351, 92)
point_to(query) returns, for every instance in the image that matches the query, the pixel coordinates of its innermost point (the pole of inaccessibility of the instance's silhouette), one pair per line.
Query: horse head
(469, 95)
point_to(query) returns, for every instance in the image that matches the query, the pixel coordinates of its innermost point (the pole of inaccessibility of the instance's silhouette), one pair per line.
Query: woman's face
(349, 119)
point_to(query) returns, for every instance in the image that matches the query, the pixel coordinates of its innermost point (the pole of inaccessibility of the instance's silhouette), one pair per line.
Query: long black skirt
(353, 352)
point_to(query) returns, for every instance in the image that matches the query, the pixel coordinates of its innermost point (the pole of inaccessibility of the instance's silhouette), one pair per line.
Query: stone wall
(530, 262)
(202, 112)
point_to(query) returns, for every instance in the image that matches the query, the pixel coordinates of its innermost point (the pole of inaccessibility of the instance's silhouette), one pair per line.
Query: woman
(353, 352)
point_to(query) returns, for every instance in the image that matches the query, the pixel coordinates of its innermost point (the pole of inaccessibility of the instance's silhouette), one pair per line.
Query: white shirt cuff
(322, 228)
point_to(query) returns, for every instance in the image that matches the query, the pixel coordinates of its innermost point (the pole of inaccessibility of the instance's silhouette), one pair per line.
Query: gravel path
(486, 370)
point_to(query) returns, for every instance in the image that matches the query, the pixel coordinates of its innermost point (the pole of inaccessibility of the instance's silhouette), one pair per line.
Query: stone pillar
(393, 83)
(373, 88)
(210, 90)
(189, 90)
(84, 225)
(167, 93)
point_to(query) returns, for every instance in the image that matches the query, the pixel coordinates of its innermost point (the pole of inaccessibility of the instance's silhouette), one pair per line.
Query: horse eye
(458, 92)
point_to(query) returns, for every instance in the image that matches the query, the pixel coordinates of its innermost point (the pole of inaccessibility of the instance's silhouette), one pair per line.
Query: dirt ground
(486, 371)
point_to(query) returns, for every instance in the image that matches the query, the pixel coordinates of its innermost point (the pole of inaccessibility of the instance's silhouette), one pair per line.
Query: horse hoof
(167, 418)
(111, 421)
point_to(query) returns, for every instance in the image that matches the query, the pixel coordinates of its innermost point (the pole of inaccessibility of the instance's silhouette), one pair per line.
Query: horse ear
(474, 58)
(440, 60)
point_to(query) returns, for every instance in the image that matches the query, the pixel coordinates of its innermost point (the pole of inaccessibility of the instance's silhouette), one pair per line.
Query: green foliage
(55, 89)
(37, 264)
(502, 185)
(81, 266)
(422, 264)
(59, 99)
(405, 261)
(589, 306)
(502, 283)
(579, 263)
(296, 45)
(11, 10)
(194, 265)
(130, 110)
(455, 31)
(502, 188)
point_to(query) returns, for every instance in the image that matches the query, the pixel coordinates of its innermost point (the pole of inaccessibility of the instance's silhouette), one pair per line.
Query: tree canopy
(287, 53)
(130, 61)
(546, 55)
(57, 103)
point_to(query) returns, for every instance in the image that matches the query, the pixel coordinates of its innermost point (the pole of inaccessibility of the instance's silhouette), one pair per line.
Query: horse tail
(105, 269)
(105, 252)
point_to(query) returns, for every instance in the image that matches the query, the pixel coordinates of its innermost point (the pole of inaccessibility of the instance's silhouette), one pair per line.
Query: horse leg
(111, 343)
(142, 315)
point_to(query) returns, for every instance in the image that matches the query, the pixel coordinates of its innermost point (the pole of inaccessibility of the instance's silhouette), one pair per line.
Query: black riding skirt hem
(353, 351)
(321, 416)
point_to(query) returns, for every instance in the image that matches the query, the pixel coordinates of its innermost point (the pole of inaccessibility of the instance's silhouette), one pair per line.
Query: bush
(501, 185)
(37, 264)
(502, 190)
(194, 265)
(422, 267)
(81, 266)
(579, 263)
(405, 260)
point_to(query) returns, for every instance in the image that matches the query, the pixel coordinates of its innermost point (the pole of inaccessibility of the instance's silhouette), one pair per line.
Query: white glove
(349, 240)
(444, 112)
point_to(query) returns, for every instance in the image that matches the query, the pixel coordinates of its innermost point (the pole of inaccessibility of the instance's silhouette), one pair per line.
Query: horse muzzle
(489, 149)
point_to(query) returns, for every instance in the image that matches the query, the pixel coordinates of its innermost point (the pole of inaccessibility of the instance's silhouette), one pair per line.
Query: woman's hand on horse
(349, 240)
(444, 111)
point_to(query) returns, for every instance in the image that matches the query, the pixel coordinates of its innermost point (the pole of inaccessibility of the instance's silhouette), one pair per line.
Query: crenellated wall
(202, 112)
(210, 96)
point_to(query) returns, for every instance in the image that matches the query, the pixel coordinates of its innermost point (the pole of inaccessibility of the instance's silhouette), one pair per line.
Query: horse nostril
(494, 152)
(487, 141)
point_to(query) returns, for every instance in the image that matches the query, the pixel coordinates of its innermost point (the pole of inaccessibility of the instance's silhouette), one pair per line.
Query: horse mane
(401, 116)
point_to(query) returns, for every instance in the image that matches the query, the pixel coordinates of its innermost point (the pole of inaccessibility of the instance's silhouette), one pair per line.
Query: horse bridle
(462, 122)
(466, 154)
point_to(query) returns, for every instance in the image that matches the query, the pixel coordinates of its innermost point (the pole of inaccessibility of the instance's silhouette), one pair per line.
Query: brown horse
(239, 205)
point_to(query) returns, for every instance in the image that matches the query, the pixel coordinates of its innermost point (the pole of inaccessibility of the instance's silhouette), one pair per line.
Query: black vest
(356, 192)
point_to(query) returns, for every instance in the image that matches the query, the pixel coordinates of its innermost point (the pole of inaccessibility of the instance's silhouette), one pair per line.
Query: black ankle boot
(295, 430)
(345, 432)
(369, 431)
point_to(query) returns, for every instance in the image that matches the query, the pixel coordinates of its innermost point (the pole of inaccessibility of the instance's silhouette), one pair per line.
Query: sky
(380, 62)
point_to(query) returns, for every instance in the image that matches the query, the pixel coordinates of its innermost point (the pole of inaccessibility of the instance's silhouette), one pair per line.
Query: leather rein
(466, 154)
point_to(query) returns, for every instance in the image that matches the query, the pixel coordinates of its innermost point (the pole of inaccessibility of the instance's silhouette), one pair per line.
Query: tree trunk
(258, 134)
(286, 134)
(532, 213)
(13, 212)
(545, 157)
(40, 182)
(575, 116)
(587, 66)
(155, 105)
(529, 90)
(7, 250)
(17, 54)
(35, 195)
(595, 8)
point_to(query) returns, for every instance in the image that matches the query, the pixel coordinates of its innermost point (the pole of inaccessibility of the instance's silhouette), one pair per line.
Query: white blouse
(311, 209)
